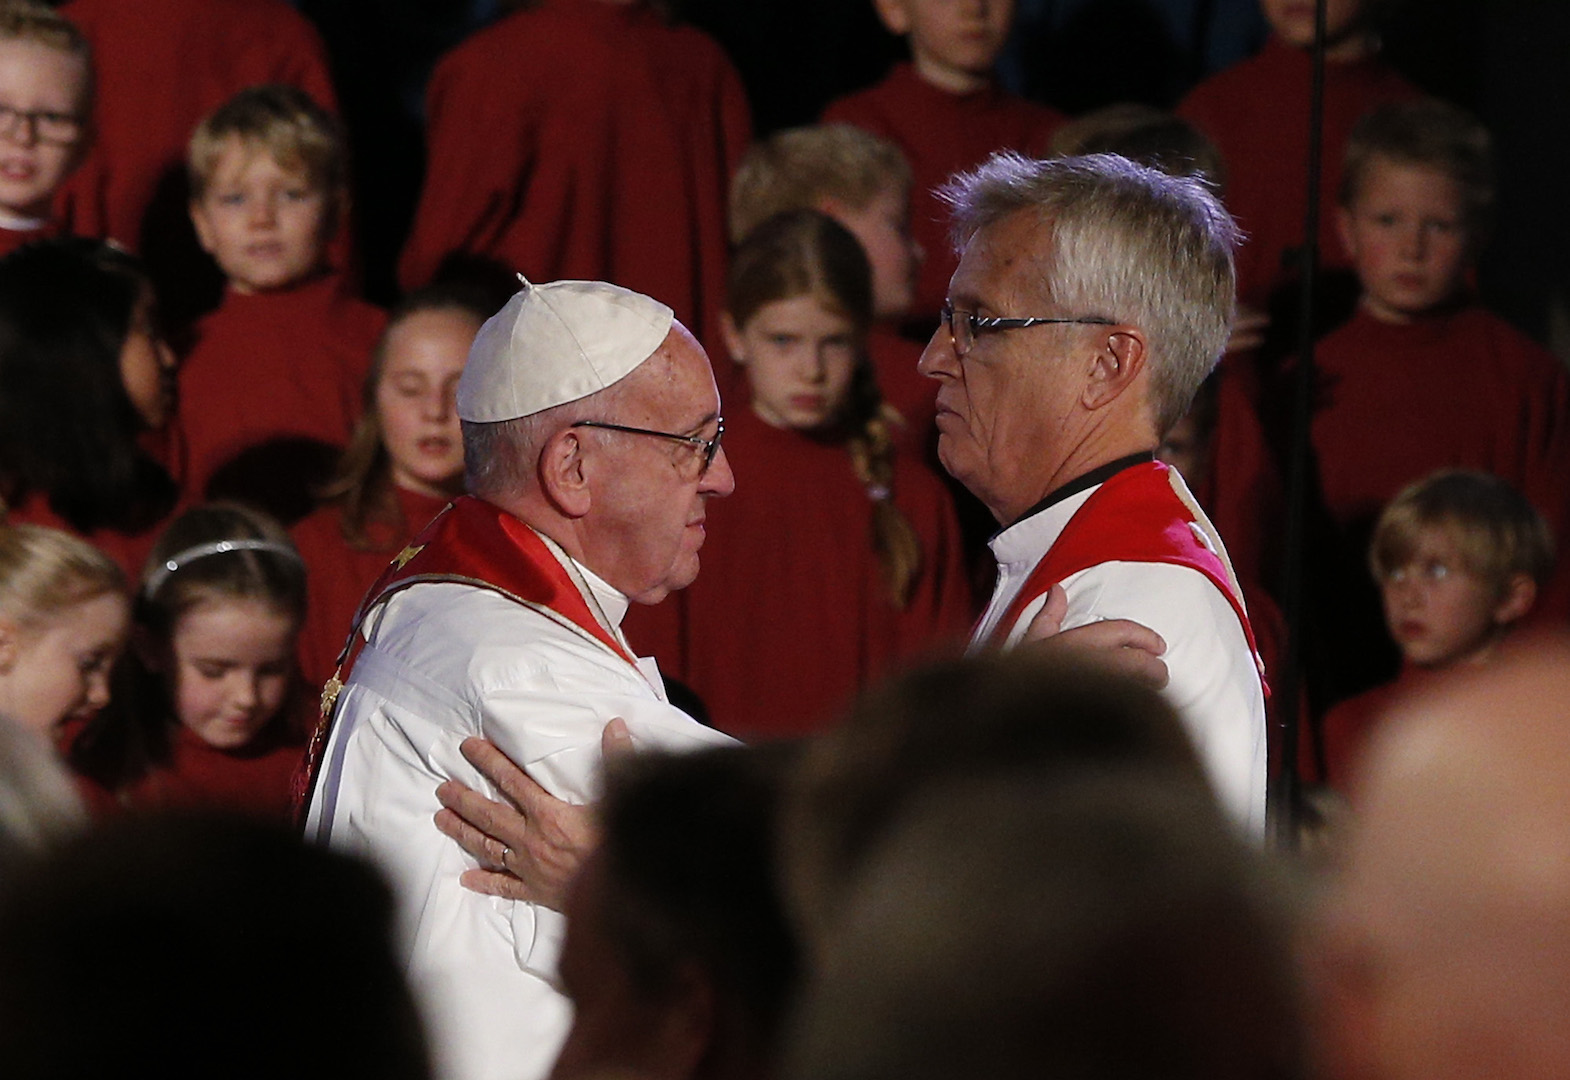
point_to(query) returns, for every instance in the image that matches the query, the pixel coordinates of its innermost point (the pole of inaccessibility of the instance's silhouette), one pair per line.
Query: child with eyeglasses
(45, 101)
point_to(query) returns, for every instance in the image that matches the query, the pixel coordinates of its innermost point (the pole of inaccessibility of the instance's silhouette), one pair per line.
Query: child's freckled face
(232, 663)
(266, 225)
(1438, 611)
(37, 155)
(1407, 235)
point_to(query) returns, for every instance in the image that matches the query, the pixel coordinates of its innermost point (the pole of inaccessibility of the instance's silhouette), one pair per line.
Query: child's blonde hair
(1500, 534)
(1432, 134)
(23, 20)
(44, 571)
(798, 168)
(298, 133)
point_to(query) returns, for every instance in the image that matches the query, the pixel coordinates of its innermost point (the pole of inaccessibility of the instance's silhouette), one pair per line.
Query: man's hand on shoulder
(1128, 647)
(530, 845)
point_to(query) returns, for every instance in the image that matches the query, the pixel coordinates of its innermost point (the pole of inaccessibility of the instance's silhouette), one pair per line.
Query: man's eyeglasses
(60, 129)
(966, 326)
(708, 448)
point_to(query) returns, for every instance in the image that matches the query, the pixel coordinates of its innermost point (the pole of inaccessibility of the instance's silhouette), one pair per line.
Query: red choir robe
(279, 375)
(1348, 725)
(582, 139)
(1461, 390)
(338, 575)
(11, 239)
(1257, 113)
(789, 616)
(942, 133)
(255, 780)
(160, 67)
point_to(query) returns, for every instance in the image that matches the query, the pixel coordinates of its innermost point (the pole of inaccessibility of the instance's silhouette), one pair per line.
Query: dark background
(1507, 60)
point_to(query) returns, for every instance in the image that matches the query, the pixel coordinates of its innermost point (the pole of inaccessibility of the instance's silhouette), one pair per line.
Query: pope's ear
(562, 474)
(1119, 358)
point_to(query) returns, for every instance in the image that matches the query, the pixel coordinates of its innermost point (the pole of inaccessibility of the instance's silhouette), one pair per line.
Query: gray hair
(1123, 242)
(499, 457)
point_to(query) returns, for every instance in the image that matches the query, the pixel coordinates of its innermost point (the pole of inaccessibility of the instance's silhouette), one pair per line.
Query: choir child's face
(265, 224)
(882, 227)
(57, 669)
(416, 398)
(951, 41)
(231, 663)
(43, 126)
(1407, 235)
(800, 356)
(1437, 609)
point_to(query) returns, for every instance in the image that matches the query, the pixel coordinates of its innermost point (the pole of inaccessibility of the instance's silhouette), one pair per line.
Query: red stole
(1135, 516)
(471, 542)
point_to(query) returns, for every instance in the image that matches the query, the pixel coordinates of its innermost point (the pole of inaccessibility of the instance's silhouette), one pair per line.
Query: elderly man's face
(1003, 409)
(650, 494)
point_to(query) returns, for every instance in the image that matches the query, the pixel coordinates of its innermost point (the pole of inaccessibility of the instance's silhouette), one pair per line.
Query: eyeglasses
(966, 326)
(708, 447)
(60, 129)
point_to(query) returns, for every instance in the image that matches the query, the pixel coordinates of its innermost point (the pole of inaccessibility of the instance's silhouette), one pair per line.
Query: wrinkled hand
(530, 845)
(1127, 647)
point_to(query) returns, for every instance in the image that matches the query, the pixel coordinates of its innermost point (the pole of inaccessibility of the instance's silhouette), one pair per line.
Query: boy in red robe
(44, 115)
(1459, 557)
(944, 110)
(1257, 113)
(270, 389)
(1423, 377)
(160, 66)
(584, 139)
(863, 182)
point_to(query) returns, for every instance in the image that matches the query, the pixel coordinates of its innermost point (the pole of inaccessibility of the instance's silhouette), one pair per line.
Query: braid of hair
(872, 452)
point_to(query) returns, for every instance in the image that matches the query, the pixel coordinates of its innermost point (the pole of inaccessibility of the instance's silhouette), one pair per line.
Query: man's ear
(1119, 358)
(895, 15)
(731, 333)
(562, 475)
(1515, 599)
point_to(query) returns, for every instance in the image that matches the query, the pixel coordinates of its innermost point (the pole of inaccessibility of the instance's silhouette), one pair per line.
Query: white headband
(216, 547)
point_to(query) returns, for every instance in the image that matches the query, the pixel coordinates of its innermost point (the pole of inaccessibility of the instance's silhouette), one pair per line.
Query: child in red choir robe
(403, 464)
(270, 389)
(945, 112)
(863, 182)
(159, 67)
(1422, 377)
(584, 139)
(86, 389)
(1459, 557)
(1257, 113)
(64, 616)
(838, 555)
(212, 714)
(45, 105)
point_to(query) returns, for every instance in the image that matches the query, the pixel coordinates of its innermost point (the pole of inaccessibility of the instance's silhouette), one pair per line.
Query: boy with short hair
(1257, 113)
(863, 182)
(946, 112)
(1459, 557)
(270, 389)
(1423, 377)
(46, 98)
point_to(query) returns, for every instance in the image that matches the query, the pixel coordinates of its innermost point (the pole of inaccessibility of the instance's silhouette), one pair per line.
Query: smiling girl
(209, 717)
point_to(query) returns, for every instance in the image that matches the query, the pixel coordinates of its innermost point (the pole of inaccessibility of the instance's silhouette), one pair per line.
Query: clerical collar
(1083, 483)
